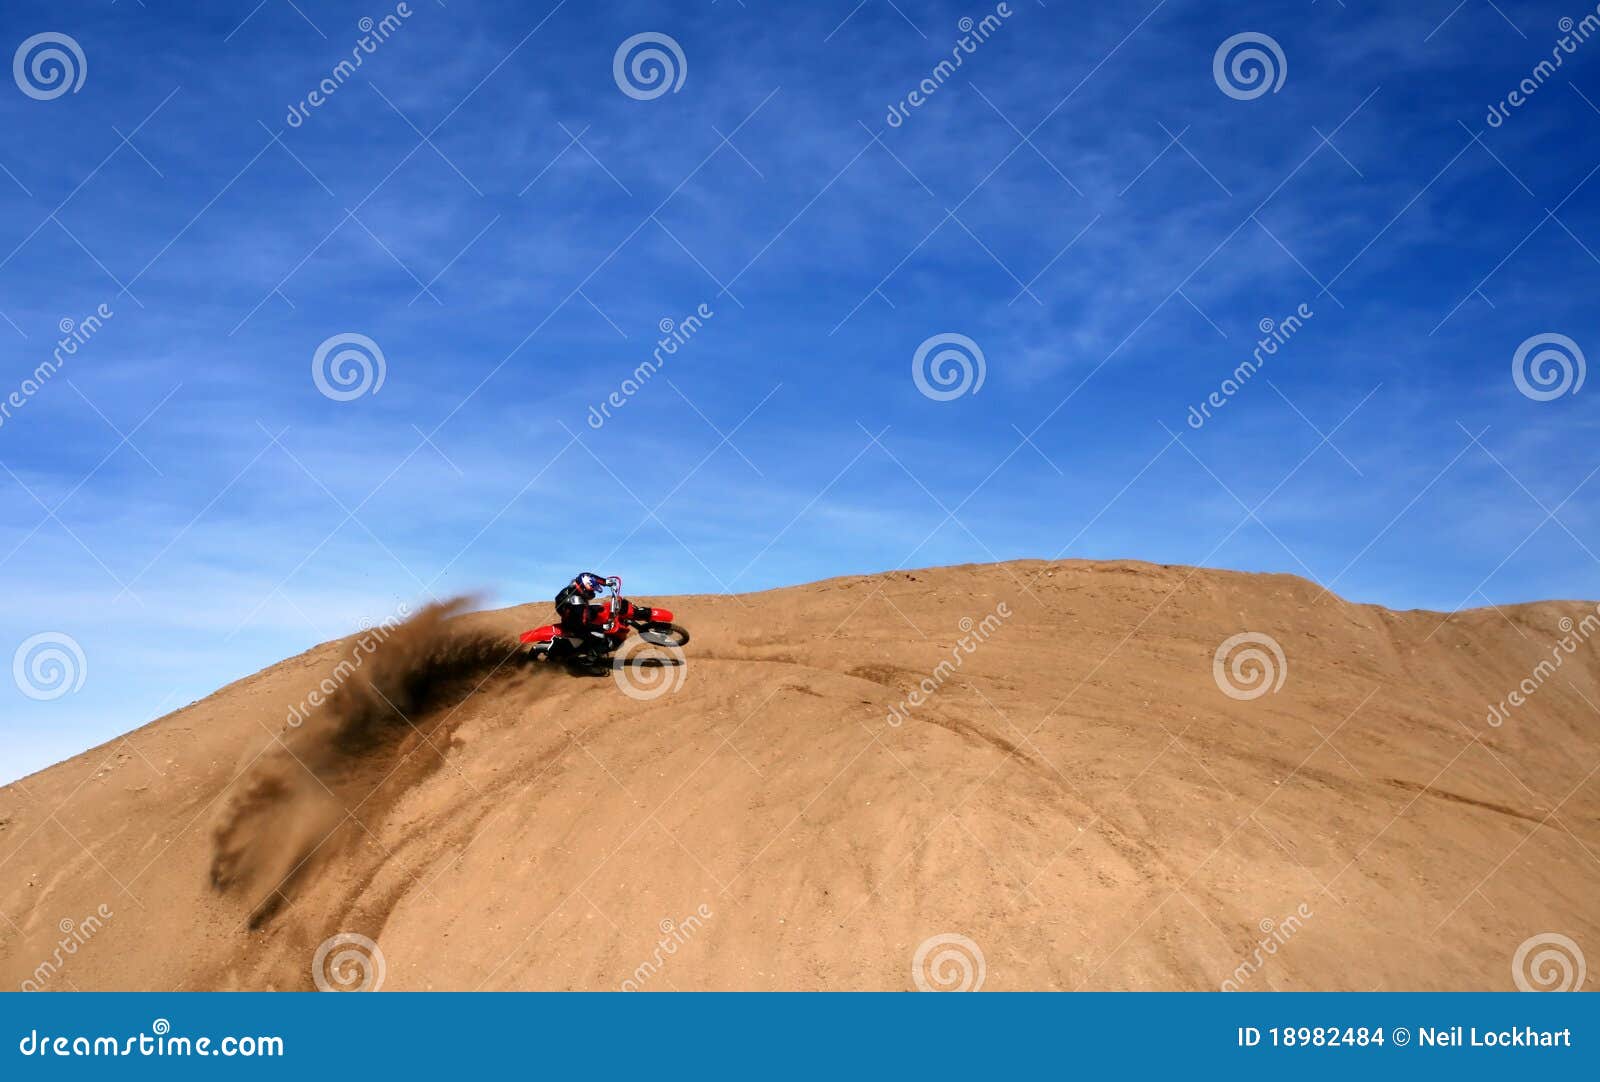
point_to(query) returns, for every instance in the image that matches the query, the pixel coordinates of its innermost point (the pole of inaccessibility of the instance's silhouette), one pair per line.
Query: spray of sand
(348, 751)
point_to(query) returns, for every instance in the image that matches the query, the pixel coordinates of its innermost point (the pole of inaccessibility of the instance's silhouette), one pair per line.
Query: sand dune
(1077, 799)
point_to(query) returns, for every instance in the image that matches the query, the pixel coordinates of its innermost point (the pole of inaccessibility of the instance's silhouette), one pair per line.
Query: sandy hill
(1078, 797)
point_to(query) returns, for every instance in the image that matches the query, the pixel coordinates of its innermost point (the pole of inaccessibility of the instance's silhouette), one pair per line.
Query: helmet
(589, 584)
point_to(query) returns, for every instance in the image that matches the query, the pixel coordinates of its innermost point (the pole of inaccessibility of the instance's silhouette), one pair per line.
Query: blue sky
(483, 201)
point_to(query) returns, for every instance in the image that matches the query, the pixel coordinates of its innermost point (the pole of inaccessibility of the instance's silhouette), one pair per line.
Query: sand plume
(346, 748)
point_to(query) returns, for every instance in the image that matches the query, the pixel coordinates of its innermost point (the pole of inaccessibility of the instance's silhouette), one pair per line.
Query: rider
(581, 618)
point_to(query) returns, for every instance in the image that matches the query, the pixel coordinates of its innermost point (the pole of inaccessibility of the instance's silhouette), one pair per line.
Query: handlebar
(619, 605)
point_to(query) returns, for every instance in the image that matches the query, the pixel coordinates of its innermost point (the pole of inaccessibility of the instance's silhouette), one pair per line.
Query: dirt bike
(606, 629)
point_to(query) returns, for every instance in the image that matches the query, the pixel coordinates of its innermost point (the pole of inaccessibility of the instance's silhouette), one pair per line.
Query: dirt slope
(1078, 798)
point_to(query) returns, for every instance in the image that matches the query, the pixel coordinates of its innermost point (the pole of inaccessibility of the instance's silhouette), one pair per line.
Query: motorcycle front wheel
(664, 634)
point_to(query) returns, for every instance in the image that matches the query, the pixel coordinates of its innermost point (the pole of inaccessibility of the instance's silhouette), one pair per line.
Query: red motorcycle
(605, 630)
